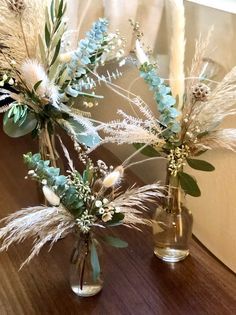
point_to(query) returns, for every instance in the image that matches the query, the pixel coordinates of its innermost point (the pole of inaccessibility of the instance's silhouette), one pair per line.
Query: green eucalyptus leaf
(116, 219)
(47, 18)
(36, 86)
(60, 9)
(54, 70)
(42, 49)
(95, 261)
(189, 184)
(115, 242)
(200, 165)
(47, 36)
(14, 130)
(56, 53)
(57, 36)
(52, 7)
(89, 140)
(148, 150)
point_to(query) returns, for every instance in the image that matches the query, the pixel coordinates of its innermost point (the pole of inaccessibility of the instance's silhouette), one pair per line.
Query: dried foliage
(18, 34)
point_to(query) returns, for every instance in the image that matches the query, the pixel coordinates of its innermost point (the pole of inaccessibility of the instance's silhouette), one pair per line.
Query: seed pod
(17, 6)
(200, 92)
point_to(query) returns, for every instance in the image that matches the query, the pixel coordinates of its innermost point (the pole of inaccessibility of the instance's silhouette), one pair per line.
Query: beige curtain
(148, 13)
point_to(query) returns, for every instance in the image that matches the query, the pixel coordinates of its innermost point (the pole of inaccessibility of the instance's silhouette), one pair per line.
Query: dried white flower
(66, 57)
(33, 72)
(106, 217)
(141, 56)
(98, 203)
(51, 197)
(114, 177)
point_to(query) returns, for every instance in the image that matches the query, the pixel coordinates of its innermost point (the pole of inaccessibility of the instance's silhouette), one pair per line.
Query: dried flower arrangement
(44, 83)
(190, 113)
(78, 203)
(184, 128)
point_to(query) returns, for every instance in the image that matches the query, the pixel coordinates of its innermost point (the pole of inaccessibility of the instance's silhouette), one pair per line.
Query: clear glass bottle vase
(84, 280)
(172, 226)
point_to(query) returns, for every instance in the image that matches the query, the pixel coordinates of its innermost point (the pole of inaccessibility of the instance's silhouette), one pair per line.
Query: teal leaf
(200, 165)
(90, 140)
(95, 261)
(115, 242)
(14, 130)
(189, 184)
(148, 150)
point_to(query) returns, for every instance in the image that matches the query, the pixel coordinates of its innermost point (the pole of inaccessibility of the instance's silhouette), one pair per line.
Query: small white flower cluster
(85, 221)
(195, 129)
(114, 48)
(90, 104)
(6, 79)
(105, 211)
(177, 158)
(31, 173)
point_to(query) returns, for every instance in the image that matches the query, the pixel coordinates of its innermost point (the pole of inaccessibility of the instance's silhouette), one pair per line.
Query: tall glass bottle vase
(85, 273)
(172, 227)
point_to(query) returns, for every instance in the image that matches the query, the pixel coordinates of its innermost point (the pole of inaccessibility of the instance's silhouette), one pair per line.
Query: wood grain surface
(136, 282)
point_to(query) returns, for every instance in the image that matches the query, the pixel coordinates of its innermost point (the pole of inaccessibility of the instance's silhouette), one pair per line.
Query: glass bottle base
(87, 290)
(171, 255)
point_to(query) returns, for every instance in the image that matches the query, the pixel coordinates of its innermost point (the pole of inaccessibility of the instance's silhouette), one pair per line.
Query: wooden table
(136, 282)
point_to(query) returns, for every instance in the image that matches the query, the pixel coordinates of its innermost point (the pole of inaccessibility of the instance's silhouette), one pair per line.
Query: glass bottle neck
(173, 194)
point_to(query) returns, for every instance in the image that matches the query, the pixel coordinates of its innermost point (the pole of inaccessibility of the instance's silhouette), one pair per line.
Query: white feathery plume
(195, 72)
(177, 50)
(140, 54)
(44, 224)
(134, 201)
(32, 72)
(131, 129)
(219, 139)
(206, 116)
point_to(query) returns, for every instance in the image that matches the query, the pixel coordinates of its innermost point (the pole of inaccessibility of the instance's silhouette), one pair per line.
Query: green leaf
(57, 36)
(36, 86)
(52, 11)
(60, 9)
(200, 165)
(57, 50)
(42, 49)
(115, 242)
(14, 130)
(82, 137)
(95, 261)
(116, 219)
(148, 151)
(47, 36)
(189, 184)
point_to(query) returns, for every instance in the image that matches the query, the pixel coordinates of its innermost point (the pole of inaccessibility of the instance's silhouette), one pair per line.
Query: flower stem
(23, 34)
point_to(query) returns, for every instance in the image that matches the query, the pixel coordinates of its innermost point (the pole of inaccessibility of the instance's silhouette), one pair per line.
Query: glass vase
(172, 226)
(85, 273)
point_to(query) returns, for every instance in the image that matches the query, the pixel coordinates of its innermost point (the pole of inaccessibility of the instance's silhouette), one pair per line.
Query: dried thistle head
(200, 91)
(17, 6)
